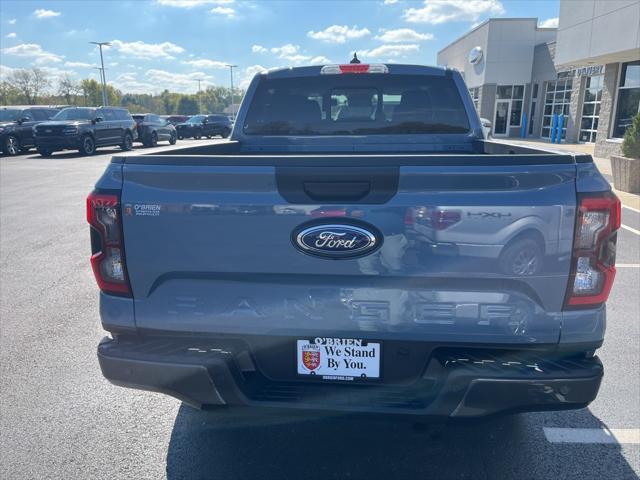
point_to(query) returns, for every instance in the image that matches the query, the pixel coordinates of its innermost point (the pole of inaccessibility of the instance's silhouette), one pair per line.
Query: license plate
(338, 358)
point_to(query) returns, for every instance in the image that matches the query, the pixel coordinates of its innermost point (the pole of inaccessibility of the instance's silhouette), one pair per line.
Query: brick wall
(605, 148)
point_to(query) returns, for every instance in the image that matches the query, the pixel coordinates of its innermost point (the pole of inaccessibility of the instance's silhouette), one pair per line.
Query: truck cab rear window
(371, 104)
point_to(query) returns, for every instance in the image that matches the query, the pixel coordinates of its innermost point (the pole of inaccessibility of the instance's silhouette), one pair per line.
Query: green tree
(631, 142)
(187, 105)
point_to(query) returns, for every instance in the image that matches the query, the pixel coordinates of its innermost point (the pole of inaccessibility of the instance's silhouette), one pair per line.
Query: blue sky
(161, 44)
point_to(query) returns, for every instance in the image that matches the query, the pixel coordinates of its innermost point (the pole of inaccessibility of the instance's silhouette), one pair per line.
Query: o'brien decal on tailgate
(142, 209)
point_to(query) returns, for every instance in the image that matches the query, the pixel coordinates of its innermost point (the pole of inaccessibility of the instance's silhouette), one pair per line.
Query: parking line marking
(633, 230)
(631, 208)
(629, 436)
(627, 265)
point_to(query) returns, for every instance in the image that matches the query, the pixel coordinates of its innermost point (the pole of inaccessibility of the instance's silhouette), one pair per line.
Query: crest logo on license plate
(311, 359)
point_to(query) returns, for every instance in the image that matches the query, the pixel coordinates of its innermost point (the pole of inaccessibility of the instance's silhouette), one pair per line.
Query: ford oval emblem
(337, 240)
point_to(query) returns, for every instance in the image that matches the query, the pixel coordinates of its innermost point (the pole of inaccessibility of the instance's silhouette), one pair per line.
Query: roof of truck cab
(394, 68)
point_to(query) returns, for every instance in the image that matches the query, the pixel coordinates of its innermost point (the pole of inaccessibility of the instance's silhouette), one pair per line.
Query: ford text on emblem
(336, 240)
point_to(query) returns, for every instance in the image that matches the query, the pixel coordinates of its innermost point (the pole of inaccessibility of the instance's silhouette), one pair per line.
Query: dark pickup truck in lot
(85, 129)
(359, 246)
(16, 127)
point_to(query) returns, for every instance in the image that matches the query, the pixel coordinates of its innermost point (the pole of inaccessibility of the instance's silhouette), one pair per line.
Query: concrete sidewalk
(604, 164)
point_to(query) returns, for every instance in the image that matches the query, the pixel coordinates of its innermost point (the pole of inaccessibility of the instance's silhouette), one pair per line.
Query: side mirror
(205, 121)
(24, 119)
(486, 127)
(98, 119)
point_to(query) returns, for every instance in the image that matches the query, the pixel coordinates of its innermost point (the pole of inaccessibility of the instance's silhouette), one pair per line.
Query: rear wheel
(127, 142)
(180, 137)
(87, 145)
(521, 258)
(172, 138)
(153, 139)
(225, 133)
(11, 146)
(45, 152)
(197, 135)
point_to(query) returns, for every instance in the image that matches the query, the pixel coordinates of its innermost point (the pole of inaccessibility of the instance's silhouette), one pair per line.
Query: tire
(45, 152)
(521, 258)
(87, 145)
(180, 137)
(225, 133)
(24, 149)
(197, 135)
(172, 139)
(11, 146)
(127, 142)
(153, 139)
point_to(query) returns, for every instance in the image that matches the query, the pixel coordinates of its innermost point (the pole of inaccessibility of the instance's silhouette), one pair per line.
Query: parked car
(85, 129)
(176, 119)
(153, 129)
(220, 287)
(208, 126)
(16, 126)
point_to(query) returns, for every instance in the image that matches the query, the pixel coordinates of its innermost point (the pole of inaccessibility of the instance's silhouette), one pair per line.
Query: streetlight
(199, 106)
(103, 76)
(231, 67)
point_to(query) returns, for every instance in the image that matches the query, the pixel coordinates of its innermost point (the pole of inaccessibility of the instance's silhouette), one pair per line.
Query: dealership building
(587, 71)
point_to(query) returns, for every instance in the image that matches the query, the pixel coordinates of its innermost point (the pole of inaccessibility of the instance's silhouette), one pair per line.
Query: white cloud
(192, 3)
(113, 64)
(441, 11)
(78, 65)
(147, 50)
(178, 82)
(258, 49)
(390, 51)
(319, 60)
(403, 35)
(292, 53)
(206, 63)
(549, 23)
(339, 33)
(390, 2)
(43, 13)
(226, 11)
(33, 50)
(12, 21)
(11, 35)
(286, 50)
(249, 73)
(6, 71)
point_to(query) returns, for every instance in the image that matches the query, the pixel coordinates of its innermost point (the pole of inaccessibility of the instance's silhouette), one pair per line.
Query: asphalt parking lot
(60, 419)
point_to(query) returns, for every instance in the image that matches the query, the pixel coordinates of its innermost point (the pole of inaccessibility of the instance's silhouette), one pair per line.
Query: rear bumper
(460, 383)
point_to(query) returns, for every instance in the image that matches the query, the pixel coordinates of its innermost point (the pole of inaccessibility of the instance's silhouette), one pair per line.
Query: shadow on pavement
(245, 444)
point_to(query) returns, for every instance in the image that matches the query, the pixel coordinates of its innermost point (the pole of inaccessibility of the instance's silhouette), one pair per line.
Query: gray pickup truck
(356, 245)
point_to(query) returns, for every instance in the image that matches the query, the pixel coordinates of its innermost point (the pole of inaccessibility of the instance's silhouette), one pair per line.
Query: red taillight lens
(443, 219)
(594, 250)
(107, 250)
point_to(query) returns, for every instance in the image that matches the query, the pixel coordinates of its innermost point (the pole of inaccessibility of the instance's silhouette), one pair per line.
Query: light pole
(101, 70)
(231, 67)
(199, 105)
(103, 77)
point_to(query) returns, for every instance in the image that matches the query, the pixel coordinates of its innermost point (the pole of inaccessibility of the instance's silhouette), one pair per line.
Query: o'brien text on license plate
(338, 358)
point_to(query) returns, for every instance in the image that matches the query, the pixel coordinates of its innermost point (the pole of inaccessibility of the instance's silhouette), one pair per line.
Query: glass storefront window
(514, 93)
(475, 97)
(591, 109)
(556, 100)
(628, 104)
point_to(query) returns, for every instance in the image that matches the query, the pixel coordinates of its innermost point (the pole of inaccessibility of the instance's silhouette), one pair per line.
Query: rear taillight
(594, 250)
(107, 250)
